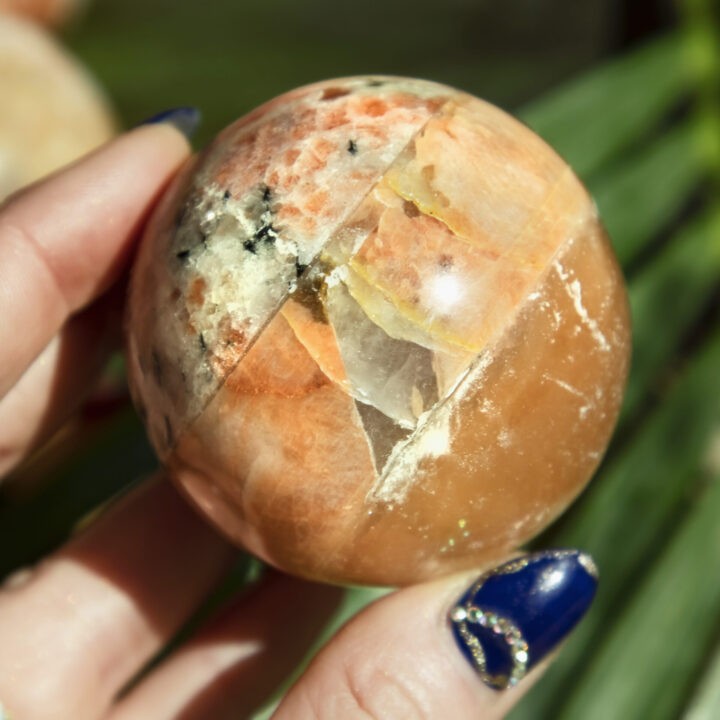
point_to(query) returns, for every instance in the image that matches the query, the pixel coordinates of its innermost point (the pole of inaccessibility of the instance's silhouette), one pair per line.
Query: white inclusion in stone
(504, 438)
(574, 290)
(443, 293)
(435, 441)
(588, 404)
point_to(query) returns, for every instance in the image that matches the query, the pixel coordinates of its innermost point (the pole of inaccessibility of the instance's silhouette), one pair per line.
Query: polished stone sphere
(377, 333)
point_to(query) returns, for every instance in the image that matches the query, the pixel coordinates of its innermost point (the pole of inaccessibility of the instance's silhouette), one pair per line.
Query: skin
(79, 625)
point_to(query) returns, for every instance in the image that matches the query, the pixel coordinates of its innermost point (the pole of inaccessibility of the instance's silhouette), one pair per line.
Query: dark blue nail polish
(185, 119)
(515, 614)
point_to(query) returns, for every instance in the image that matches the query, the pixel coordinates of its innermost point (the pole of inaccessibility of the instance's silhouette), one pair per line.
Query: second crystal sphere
(377, 332)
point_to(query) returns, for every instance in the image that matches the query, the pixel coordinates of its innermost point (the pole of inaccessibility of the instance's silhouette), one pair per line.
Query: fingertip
(65, 240)
(185, 119)
(165, 141)
(513, 616)
(162, 143)
(460, 641)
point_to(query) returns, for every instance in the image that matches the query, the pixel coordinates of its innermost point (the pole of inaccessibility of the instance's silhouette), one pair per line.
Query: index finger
(64, 240)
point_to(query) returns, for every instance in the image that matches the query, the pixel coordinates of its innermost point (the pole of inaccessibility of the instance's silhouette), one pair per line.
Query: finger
(233, 665)
(85, 621)
(58, 381)
(64, 240)
(404, 658)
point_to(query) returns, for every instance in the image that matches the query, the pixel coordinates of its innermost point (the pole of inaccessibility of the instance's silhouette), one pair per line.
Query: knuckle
(385, 693)
(35, 258)
(361, 689)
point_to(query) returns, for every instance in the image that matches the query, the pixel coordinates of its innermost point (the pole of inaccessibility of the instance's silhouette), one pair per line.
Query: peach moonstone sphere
(377, 333)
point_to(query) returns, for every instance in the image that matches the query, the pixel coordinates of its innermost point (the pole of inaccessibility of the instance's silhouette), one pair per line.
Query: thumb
(454, 647)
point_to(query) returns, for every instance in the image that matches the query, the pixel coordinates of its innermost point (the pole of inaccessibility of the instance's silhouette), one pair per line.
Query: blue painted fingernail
(185, 119)
(514, 615)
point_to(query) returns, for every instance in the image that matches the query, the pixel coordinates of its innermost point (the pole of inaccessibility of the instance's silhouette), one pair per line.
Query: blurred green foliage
(643, 131)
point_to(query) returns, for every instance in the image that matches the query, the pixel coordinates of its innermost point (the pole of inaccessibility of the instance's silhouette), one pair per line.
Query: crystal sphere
(377, 333)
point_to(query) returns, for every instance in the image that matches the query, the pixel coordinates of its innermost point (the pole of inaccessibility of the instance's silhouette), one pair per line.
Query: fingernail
(514, 615)
(185, 119)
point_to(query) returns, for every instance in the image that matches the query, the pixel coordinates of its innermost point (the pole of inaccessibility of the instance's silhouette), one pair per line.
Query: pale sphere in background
(45, 12)
(52, 110)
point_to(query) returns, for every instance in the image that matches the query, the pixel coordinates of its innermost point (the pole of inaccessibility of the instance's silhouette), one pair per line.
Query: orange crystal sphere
(377, 333)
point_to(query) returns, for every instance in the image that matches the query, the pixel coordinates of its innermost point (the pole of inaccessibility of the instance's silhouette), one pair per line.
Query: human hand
(79, 626)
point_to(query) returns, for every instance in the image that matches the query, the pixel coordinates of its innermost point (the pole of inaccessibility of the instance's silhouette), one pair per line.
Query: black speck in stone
(352, 147)
(249, 245)
(266, 233)
(299, 268)
(410, 209)
(445, 261)
(203, 344)
(183, 255)
(266, 194)
(226, 195)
